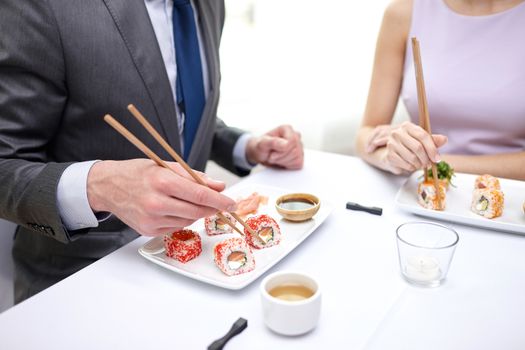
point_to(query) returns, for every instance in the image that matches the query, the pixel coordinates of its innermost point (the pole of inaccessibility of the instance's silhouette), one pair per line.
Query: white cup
(290, 317)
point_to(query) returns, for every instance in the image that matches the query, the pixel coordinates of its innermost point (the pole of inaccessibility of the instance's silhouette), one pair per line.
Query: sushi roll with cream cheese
(266, 232)
(487, 202)
(233, 256)
(215, 226)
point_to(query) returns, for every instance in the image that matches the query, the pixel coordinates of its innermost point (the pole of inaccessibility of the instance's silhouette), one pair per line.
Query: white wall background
(303, 62)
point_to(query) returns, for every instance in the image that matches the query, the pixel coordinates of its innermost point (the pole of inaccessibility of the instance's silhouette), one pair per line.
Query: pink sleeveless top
(474, 70)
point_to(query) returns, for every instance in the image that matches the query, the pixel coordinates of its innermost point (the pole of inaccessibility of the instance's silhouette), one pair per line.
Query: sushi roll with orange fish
(487, 202)
(487, 181)
(233, 256)
(427, 196)
(266, 232)
(487, 197)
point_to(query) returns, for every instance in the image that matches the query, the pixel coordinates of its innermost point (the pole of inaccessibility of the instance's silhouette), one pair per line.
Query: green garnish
(444, 172)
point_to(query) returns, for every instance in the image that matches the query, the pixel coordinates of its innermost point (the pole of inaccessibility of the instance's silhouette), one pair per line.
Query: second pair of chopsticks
(146, 150)
(424, 117)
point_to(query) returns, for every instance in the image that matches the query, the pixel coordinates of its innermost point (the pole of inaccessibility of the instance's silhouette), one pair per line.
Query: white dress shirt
(73, 203)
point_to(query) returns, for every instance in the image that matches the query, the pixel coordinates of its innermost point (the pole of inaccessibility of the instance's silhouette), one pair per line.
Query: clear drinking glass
(425, 252)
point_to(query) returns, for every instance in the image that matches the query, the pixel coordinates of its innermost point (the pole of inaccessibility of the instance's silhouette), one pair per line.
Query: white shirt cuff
(239, 153)
(73, 204)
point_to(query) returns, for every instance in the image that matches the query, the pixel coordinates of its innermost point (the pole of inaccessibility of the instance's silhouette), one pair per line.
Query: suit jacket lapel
(211, 48)
(134, 25)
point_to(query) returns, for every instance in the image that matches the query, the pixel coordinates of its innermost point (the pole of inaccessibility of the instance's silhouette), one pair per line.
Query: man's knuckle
(200, 195)
(158, 181)
(151, 205)
(193, 212)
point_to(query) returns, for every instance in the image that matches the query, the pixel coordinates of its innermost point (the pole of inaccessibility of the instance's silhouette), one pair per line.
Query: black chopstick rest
(239, 326)
(359, 207)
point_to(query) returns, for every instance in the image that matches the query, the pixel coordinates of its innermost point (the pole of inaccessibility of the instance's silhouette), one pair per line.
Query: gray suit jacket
(64, 64)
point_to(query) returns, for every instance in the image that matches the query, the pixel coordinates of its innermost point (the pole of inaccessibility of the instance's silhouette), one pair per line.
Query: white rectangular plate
(203, 267)
(458, 203)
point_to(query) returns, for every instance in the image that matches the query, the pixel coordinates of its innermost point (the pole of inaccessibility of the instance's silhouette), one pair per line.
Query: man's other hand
(280, 147)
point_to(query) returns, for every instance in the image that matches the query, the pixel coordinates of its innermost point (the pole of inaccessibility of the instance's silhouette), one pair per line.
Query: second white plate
(458, 203)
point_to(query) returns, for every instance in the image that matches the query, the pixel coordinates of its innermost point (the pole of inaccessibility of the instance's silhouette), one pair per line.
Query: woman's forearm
(508, 165)
(374, 158)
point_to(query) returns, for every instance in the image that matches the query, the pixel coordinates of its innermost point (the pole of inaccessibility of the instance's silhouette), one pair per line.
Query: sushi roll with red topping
(427, 196)
(233, 256)
(183, 245)
(215, 226)
(267, 232)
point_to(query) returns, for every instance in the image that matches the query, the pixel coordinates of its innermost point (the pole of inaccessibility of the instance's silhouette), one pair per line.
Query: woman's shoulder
(397, 20)
(399, 11)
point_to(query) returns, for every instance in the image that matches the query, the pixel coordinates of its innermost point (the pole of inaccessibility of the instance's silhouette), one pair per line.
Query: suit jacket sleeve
(222, 148)
(32, 98)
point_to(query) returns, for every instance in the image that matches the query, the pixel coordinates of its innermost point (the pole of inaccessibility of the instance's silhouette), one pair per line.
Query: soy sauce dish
(297, 206)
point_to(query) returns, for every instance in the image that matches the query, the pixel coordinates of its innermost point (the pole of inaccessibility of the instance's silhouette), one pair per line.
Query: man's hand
(281, 147)
(150, 199)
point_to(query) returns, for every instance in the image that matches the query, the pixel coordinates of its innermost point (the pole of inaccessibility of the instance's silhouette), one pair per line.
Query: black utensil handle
(359, 207)
(239, 326)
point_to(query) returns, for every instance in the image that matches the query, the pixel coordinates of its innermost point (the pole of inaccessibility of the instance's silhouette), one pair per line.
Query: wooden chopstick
(147, 151)
(142, 120)
(424, 116)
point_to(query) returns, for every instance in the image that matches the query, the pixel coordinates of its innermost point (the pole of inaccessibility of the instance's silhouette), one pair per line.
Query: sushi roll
(267, 232)
(427, 196)
(233, 256)
(183, 245)
(487, 202)
(215, 226)
(487, 181)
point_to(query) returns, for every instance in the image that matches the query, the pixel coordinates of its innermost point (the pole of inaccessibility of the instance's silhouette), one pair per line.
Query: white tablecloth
(126, 302)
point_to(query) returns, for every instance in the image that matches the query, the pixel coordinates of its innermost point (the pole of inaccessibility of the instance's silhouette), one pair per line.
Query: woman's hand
(406, 147)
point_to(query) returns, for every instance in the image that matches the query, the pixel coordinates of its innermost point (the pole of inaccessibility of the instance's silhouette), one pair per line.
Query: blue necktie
(190, 86)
